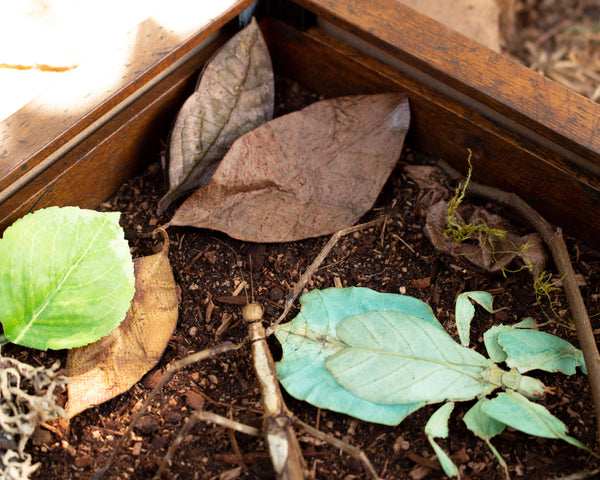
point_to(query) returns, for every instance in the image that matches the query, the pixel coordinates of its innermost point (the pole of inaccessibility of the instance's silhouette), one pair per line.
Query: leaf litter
(305, 174)
(235, 93)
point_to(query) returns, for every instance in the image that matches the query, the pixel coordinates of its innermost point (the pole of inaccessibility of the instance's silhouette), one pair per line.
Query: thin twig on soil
(173, 368)
(314, 266)
(201, 416)
(553, 238)
(279, 422)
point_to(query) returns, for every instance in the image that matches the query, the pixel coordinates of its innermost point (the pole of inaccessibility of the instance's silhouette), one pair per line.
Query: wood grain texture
(99, 164)
(528, 134)
(444, 127)
(483, 76)
(98, 148)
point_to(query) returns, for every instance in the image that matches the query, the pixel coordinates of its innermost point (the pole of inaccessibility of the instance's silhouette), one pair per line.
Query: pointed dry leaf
(235, 94)
(112, 365)
(305, 174)
(490, 252)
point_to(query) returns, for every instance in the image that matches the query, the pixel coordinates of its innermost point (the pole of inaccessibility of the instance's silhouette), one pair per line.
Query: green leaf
(515, 410)
(66, 277)
(437, 427)
(481, 424)
(534, 350)
(492, 345)
(311, 337)
(527, 322)
(464, 312)
(395, 358)
(524, 349)
(485, 427)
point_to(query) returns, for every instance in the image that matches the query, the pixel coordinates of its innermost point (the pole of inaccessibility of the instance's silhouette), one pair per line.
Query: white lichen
(28, 399)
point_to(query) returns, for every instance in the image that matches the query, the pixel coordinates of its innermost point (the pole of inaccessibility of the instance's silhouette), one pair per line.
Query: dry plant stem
(278, 430)
(173, 368)
(202, 416)
(583, 475)
(355, 452)
(555, 242)
(313, 267)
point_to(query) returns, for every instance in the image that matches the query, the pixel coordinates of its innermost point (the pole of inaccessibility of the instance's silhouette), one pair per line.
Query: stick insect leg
(202, 416)
(173, 368)
(354, 452)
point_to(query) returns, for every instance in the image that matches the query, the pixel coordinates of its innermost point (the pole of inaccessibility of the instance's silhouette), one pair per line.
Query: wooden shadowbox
(528, 134)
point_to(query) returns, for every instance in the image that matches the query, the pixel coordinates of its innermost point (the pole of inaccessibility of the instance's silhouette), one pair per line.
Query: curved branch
(553, 238)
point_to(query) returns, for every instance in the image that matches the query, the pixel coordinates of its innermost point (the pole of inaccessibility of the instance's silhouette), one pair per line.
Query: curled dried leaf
(489, 252)
(235, 94)
(112, 365)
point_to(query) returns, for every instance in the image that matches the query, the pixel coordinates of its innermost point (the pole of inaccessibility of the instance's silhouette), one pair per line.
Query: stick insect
(279, 423)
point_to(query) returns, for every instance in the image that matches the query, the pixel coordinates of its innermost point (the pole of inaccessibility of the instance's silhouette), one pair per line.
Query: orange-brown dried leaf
(112, 365)
(305, 174)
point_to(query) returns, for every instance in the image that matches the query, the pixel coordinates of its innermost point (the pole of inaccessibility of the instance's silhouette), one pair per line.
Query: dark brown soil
(396, 259)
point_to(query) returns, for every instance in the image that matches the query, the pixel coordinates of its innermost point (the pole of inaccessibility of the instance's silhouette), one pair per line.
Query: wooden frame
(528, 134)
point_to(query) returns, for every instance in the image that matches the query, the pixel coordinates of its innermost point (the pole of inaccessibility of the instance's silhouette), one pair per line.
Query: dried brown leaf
(491, 253)
(305, 174)
(235, 94)
(113, 364)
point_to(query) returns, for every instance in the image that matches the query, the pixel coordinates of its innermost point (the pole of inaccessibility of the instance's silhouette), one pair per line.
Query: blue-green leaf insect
(380, 357)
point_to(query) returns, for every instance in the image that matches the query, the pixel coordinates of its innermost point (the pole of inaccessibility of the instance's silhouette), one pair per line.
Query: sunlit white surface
(91, 41)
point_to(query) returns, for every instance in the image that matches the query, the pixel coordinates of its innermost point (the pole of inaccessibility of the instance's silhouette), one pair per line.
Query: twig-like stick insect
(279, 423)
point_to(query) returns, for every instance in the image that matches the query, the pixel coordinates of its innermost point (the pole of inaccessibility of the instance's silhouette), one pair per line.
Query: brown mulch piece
(560, 39)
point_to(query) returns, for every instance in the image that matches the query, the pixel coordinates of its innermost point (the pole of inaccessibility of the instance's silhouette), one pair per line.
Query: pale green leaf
(492, 346)
(66, 277)
(481, 424)
(464, 312)
(534, 350)
(485, 427)
(527, 322)
(395, 358)
(311, 337)
(446, 462)
(437, 427)
(490, 338)
(513, 409)
(524, 349)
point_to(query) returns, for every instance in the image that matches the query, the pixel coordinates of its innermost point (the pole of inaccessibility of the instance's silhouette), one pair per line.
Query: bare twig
(173, 368)
(555, 242)
(313, 267)
(202, 416)
(355, 452)
(278, 427)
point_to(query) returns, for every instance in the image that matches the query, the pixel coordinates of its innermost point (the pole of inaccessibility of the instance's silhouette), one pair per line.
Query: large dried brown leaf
(305, 174)
(112, 365)
(235, 94)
